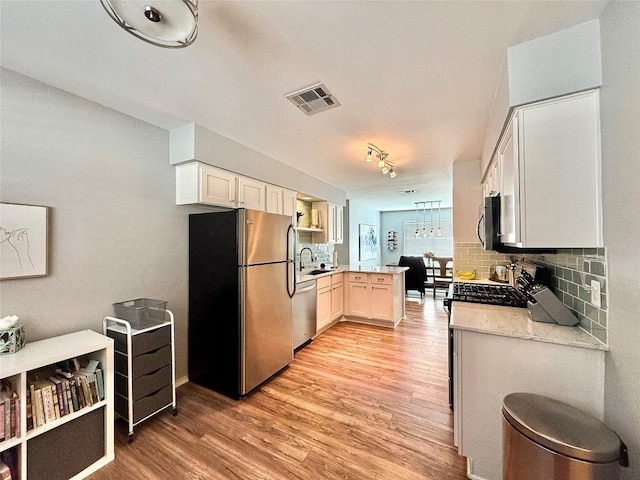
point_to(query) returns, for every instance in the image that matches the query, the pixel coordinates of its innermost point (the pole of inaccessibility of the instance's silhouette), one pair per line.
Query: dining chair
(441, 273)
(414, 278)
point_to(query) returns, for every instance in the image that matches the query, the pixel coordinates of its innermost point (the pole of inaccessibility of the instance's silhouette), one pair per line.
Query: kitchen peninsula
(498, 350)
(365, 294)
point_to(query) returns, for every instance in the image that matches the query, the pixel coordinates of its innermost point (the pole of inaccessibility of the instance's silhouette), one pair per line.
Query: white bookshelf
(51, 437)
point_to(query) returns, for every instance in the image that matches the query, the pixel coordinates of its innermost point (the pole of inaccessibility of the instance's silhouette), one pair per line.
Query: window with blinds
(416, 246)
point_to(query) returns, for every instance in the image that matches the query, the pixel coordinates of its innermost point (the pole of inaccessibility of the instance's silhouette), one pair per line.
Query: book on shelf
(9, 411)
(5, 472)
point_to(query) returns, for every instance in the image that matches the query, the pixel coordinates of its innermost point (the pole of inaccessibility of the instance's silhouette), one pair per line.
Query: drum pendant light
(164, 23)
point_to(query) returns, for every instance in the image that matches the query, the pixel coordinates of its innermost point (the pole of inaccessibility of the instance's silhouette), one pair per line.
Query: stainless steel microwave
(488, 227)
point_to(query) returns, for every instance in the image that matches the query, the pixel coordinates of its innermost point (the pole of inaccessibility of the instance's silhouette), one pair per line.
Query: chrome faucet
(312, 257)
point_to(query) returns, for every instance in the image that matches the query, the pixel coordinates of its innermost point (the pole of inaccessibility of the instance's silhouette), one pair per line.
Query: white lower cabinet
(329, 305)
(337, 296)
(489, 367)
(70, 442)
(323, 303)
(376, 297)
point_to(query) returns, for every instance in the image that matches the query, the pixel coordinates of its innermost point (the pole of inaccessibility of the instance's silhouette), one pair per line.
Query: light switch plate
(595, 293)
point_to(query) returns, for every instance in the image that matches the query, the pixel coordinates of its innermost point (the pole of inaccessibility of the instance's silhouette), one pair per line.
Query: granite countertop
(304, 276)
(514, 322)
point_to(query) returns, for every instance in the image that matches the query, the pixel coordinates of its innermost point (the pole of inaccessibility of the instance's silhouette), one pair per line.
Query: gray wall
(394, 220)
(620, 121)
(115, 232)
(358, 214)
(195, 142)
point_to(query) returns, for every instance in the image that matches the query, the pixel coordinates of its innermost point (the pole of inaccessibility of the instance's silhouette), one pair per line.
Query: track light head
(368, 157)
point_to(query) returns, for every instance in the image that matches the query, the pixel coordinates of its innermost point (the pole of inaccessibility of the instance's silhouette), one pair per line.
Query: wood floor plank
(359, 402)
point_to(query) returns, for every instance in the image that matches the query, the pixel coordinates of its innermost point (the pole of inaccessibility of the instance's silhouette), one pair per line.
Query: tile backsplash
(571, 271)
(322, 251)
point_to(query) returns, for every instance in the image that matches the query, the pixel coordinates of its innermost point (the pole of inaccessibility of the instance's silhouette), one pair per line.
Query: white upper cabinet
(275, 199)
(331, 221)
(198, 182)
(201, 183)
(251, 193)
(282, 201)
(491, 185)
(551, 176)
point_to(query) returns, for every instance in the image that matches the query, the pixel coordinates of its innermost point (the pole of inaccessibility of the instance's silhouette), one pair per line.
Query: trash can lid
(561, 428)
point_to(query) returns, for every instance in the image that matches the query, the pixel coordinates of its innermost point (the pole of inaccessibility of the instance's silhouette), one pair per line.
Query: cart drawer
(145, 363)
(141, 342)
(145, 384)
(146, 405)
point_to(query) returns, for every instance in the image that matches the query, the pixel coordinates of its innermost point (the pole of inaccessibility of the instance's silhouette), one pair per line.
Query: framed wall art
(23, 241)
(368, 238)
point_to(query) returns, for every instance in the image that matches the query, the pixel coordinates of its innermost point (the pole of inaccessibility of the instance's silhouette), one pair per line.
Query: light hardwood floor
(359, 402)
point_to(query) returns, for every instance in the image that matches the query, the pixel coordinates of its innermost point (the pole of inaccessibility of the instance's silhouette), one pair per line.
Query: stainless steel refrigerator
(241, 280)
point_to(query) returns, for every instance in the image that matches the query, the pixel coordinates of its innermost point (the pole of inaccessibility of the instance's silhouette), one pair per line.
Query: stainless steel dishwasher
(304, 312)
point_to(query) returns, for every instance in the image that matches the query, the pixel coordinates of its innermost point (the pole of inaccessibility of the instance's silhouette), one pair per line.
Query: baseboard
(182, 380)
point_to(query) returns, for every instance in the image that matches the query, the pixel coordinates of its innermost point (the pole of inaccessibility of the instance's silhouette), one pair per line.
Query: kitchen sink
(317, 272)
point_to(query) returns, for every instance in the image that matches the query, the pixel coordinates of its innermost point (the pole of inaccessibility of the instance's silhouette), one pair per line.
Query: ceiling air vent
(313, 99)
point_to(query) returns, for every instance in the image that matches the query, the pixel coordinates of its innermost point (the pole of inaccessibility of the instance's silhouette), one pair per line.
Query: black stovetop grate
(504, 295)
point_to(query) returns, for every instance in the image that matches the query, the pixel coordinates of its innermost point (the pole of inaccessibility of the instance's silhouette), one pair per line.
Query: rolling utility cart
(144, 359)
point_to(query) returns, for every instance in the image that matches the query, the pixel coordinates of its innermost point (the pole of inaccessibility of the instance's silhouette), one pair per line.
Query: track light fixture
(383, 164)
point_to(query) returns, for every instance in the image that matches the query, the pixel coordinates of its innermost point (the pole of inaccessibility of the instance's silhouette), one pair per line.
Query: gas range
(491, 294)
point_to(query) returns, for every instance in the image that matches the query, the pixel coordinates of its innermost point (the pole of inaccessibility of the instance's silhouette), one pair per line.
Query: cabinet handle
(357, 278)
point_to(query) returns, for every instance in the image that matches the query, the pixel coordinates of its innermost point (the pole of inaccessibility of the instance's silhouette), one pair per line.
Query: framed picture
(368, 242)
(23, 241)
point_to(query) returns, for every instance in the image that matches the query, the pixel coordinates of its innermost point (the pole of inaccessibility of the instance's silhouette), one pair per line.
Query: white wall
(467, 198)
(115, 232)
(358, 214)
(620, 122)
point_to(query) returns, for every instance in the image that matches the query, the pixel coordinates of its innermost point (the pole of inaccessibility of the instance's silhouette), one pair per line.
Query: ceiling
(415, 78)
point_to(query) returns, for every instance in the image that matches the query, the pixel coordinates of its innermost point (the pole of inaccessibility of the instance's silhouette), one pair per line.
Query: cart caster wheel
(175, 411)
(131, 438)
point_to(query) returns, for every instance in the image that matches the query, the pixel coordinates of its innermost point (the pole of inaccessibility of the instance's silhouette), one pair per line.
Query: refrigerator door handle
(291, 261)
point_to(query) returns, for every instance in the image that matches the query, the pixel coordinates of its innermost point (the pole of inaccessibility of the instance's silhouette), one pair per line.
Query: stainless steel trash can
(547, 439)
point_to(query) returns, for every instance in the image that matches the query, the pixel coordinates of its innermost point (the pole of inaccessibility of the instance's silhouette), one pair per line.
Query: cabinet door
(251, 193)
(331, 222)
(359, 299)
(381, 302)
(275, 199)
(338, 224)
(217, 187)
(289, 205)
(510, 185)
(323, 308)
(560, 171)
(337, 296)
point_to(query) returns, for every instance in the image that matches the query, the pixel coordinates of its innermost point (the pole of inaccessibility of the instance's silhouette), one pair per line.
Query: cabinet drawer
(358, 277)
(379, 279)
(323, 282)
(142, 342)
(146, 405)
(146, 384)
(145, 363)
(337, 278)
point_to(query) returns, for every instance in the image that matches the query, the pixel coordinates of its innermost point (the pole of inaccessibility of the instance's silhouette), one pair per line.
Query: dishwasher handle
(306, 289)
